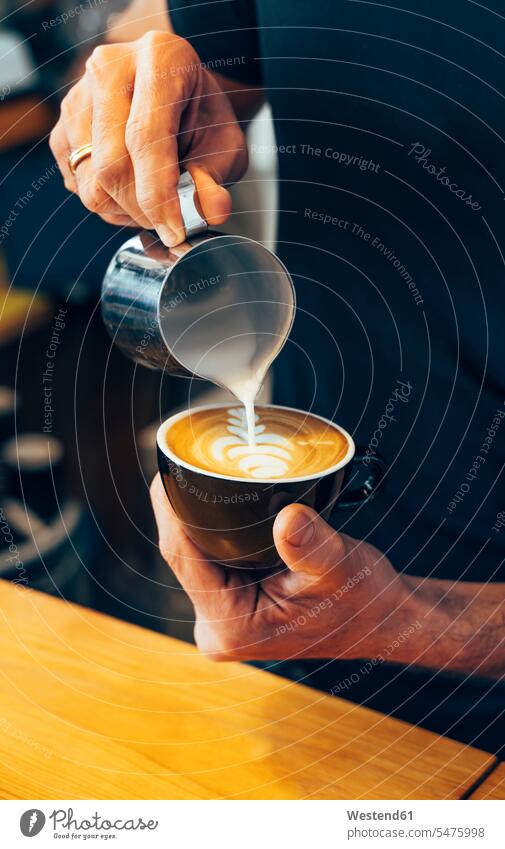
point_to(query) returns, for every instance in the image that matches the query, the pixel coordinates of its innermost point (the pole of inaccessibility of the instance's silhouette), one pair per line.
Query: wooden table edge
(466, 790)
(491, 785)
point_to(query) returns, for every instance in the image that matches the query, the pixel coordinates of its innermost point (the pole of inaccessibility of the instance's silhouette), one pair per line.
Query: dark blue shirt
(390, 127)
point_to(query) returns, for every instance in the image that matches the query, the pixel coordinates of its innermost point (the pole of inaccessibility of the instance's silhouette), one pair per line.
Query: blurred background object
(77, 419)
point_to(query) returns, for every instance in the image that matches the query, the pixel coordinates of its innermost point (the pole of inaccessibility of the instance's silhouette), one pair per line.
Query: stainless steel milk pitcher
(167, 308)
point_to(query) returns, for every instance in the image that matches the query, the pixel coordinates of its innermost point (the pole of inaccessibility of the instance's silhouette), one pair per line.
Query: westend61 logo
(32, 822)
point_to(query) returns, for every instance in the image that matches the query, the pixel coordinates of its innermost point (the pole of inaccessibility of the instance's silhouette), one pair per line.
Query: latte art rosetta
(270, 457)
(288, 443)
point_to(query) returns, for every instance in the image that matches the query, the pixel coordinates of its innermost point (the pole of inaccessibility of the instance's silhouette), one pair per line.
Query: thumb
(305, 542)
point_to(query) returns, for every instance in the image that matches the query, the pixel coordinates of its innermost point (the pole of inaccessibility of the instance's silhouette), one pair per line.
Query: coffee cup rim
(167, 424)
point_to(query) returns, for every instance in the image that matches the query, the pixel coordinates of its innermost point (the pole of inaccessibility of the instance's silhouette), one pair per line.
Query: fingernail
(166, 235)
(302, 530)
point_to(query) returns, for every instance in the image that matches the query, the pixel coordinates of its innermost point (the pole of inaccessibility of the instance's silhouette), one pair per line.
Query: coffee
(288, 443)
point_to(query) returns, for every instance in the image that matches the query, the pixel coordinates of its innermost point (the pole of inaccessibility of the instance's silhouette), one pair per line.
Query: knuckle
(110, 171)
(93, 196)
(152, 198)
(153, 37)
(228, 647)
(337, 549)
(214, 644)
(215, 657)
(189, 53)
(170, 52)
(69, 185)
(168, 553)
(99, 58)
(171, 553)
(55, 142)
(111, 219)
(100, 54)
(138, 134)
(66, 105)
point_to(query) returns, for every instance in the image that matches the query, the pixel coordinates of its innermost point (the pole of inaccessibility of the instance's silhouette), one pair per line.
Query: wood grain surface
(92, 707)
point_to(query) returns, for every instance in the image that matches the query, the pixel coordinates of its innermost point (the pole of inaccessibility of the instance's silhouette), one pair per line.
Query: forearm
(462, 626)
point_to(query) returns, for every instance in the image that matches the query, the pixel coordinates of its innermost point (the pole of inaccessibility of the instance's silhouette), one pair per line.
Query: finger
(111, 79)
(119, 220)
(213, 148)
(196, 574)
(58, 142)
(77, 117)
(214, 200)
(92, 194)
(151, 137)
(306, 543)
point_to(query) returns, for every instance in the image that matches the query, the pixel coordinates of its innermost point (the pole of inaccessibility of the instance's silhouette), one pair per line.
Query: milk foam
(268, 457)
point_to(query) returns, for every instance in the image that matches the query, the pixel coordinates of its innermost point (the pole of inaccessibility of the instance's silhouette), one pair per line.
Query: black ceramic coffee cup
(231, 519)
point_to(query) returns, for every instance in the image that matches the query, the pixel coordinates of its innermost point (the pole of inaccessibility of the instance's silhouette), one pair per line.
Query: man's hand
(148, 106)
(338, 597)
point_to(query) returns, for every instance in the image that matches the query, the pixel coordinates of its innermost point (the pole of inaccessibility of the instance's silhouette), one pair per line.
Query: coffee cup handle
(367, 489)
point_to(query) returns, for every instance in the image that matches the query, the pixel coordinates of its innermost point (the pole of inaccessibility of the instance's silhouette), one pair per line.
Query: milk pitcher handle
(192, 220)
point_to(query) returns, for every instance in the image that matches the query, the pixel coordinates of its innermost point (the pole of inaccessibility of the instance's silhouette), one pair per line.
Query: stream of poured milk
(238, 361)
(246, 392)
(251, 422)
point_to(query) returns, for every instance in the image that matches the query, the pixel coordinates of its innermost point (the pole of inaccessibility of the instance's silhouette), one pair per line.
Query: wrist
(423, 625)
(382, 628)
(398, 634)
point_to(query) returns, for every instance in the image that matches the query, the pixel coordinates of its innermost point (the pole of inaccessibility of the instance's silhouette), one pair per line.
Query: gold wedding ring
(77, 156)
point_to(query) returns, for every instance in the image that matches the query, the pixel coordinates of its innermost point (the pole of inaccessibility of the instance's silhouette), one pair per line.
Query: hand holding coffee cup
(337, 597)
(228, 492)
